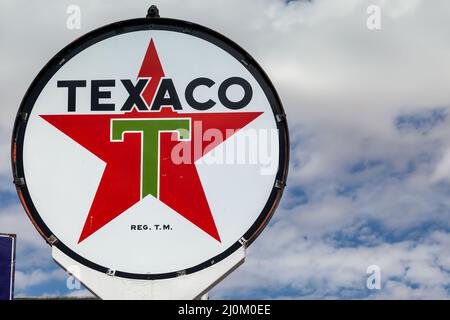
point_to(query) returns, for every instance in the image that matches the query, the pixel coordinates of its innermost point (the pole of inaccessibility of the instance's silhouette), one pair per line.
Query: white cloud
(310, 269)
(27, 280)
(34, 265)
(442, 170)
(83, 293)
(32, 250)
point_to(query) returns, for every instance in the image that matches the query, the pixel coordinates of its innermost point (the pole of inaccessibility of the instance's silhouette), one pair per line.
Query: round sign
(150, 148)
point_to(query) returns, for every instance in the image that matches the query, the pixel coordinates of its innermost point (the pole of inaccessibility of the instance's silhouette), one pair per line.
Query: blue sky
(369, 179)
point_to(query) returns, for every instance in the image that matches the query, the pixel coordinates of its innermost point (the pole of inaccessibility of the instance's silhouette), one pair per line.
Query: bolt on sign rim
(124, 28)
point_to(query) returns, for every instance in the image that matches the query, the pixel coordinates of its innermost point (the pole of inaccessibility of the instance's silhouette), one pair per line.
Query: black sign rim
(127, 26)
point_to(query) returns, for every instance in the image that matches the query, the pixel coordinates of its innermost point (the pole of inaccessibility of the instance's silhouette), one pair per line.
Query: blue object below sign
(7, 254)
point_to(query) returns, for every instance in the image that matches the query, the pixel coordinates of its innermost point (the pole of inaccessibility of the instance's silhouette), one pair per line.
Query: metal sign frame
(123, 27)
(13, 261)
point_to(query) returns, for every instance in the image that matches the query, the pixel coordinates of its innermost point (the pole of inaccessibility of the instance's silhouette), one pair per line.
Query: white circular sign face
(150, 149)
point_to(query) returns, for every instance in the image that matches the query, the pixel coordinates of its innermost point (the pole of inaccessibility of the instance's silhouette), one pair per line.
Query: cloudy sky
(368, 112)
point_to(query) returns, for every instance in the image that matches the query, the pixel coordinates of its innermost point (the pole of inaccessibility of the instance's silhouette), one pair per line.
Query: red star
(180, 187)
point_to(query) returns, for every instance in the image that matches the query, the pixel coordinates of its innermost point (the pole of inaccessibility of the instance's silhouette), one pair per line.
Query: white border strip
(11, 280)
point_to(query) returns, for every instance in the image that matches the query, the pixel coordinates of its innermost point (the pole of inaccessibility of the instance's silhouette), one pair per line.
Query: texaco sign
(150, 147)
